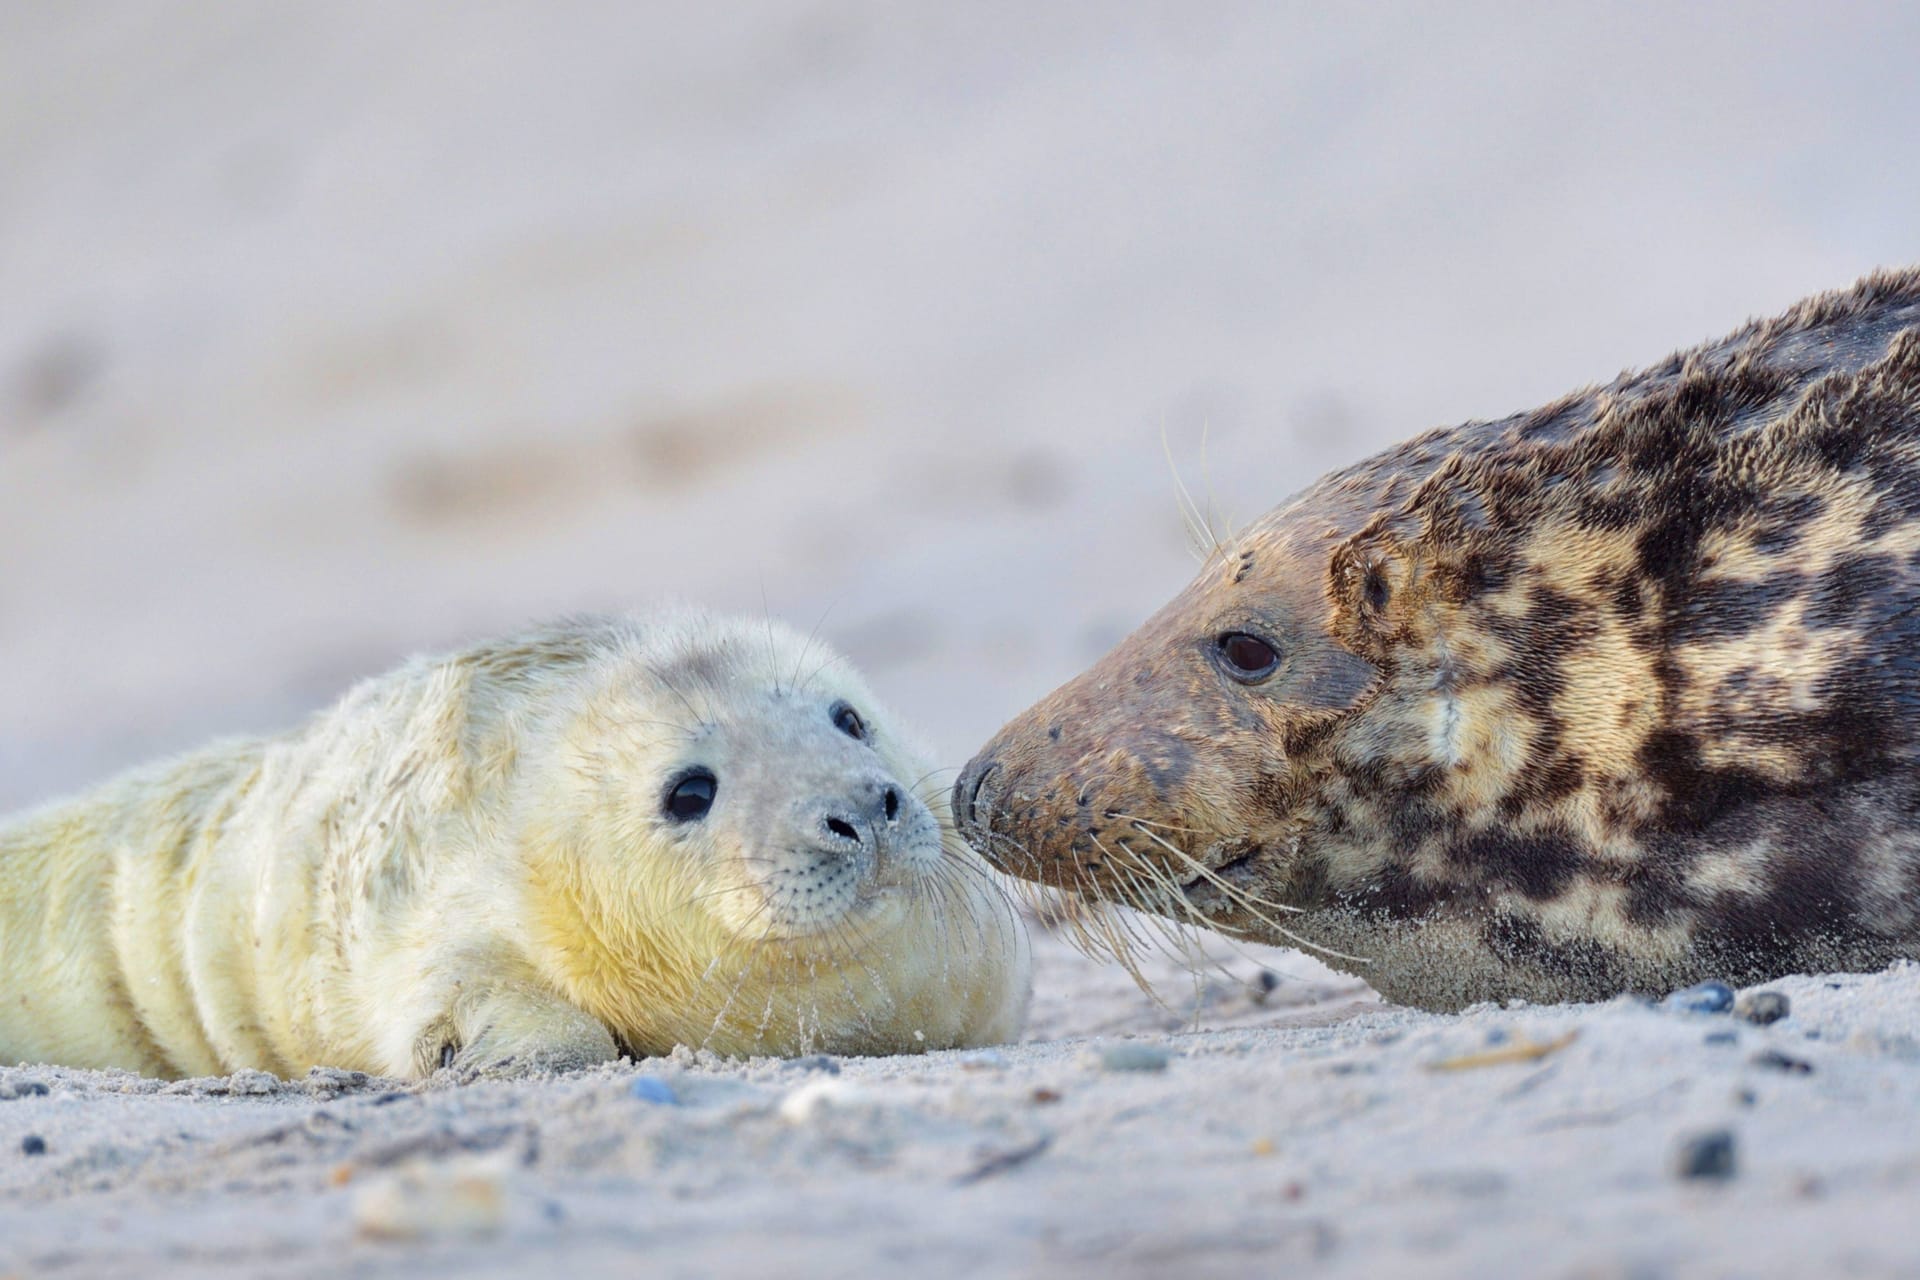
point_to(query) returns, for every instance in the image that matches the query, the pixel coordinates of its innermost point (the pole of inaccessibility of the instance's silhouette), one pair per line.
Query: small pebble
(251, 1083)
(33, 1145)
(1705, 997)
(22, 1089)
(1045, 1096)
(819, 1096)
(654, 1089)
(816, 1062)
(1722, 1036)
(459, 1198)
(1264, 985)
(983, 1060)
(1132, 1056)
(1708, 1156)
(1763, 1007)
(1777, 1061)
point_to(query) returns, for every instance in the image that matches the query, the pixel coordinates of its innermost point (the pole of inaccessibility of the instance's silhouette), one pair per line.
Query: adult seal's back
(1621, 693)
(608, 835)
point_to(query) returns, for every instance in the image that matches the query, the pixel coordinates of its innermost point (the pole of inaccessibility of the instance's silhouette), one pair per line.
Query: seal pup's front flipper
(516, 1029)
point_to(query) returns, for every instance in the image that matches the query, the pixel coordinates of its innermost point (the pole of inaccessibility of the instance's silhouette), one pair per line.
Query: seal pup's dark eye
(1247, 657)
(848, 721)
(691, 796)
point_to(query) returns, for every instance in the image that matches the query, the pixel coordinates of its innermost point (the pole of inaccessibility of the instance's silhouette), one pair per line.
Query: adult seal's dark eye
(691, 797)
(848, 721)
(1247, 657)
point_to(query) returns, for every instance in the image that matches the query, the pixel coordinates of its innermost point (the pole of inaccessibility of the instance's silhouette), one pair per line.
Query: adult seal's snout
(1613, 694)
(972, 801)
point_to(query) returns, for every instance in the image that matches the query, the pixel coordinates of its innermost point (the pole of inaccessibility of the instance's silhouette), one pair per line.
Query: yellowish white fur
(468, 859)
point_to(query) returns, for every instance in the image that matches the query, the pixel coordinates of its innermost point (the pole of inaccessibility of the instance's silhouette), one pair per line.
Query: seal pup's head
(735, 848)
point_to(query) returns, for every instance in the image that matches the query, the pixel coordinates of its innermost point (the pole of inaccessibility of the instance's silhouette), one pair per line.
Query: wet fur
(464, 862)
(1620, 693)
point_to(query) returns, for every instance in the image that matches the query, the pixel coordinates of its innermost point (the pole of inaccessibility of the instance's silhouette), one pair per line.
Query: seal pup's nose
(865, 818)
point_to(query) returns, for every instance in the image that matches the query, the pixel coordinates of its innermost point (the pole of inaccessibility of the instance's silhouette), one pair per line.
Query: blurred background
(334, 332)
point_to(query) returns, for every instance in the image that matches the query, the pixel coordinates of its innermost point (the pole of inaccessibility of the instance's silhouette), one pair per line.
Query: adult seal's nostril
(973, 797)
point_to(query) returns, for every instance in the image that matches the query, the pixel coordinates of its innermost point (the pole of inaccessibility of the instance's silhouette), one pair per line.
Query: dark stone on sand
(1704, 997)
(1774, 1060)
(1708, 1156)
(1762, 1007)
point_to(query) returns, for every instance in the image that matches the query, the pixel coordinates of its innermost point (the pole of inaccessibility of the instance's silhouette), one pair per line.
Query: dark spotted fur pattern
(1620, 693)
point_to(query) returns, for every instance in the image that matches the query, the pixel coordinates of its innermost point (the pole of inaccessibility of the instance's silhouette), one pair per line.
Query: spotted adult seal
(608, 835)
(1621, 693)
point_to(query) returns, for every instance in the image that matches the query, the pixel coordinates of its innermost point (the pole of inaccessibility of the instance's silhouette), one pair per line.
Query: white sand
(1319, 1140)
(327, 338)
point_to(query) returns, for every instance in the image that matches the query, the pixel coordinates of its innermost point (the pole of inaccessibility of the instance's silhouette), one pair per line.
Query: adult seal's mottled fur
(613, 835)
(1621, 693)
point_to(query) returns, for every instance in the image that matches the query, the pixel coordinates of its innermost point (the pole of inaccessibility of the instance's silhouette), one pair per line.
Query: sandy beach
(1318, 1132)
(329, 338)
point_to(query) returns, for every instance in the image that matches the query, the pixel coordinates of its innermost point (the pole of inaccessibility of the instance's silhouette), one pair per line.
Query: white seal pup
(609, 835)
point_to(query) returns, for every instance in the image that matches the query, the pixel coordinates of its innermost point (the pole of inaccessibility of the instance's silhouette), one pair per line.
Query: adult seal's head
(1617, 693)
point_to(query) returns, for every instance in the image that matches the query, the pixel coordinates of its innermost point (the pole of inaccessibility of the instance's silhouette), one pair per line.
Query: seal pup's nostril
(891, 803)
(842, 828)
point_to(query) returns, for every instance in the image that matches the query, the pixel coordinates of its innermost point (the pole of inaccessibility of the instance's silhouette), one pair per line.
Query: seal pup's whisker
(773, 646)
(813, 634)
(854, 951)
(715, 893)
(753, 957)
(949, 886)
(673, 688)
